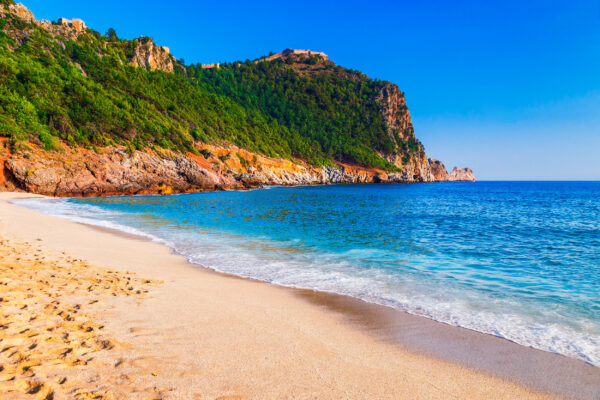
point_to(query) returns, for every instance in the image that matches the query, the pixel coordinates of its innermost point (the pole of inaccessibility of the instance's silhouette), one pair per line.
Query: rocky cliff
(148, 55)
(409, 155)
(440, 173)
(21, 11)
(117, 170)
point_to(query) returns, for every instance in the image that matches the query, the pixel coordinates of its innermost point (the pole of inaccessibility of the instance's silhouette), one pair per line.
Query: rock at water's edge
(438, 169)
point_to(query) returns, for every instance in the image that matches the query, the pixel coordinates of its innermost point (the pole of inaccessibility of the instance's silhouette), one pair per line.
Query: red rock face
(113, 170)
(438, 169)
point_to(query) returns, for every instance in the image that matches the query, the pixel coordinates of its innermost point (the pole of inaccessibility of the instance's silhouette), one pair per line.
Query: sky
(508, 88)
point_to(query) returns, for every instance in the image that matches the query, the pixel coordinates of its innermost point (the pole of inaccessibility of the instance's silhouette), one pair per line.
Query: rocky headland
(49, 161)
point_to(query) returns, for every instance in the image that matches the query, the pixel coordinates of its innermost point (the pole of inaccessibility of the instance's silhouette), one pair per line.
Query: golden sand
(51, 344)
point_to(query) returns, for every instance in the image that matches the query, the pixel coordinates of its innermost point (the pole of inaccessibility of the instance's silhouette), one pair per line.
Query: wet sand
(541, 370)
(205, 335)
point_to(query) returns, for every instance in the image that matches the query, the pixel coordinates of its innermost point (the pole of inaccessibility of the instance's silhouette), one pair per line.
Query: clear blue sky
(509, 88)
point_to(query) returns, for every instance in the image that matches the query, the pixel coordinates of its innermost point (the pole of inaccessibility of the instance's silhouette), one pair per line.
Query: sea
(518, 260)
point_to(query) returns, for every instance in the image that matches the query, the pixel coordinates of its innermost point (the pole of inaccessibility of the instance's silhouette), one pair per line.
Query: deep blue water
(519, 260)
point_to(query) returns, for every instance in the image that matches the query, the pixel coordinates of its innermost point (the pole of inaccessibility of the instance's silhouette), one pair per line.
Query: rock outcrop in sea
(440, 173)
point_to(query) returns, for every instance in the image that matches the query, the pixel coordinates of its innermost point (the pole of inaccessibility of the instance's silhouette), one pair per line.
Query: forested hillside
(332, 112)
(86, 93)
(85, 89)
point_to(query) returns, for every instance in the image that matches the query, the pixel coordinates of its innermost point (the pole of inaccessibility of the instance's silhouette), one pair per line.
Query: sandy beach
(90, 314)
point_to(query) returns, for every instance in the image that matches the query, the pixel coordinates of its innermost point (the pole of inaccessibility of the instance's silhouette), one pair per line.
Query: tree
(111, 34)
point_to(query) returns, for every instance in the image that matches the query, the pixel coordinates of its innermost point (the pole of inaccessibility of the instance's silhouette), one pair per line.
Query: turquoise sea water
(520, 260)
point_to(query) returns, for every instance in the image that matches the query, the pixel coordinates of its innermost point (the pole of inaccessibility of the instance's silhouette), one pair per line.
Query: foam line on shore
(330, 275)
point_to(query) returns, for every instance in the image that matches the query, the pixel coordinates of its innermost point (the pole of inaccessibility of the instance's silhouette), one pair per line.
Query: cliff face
(458, 174)
(438, 170)
(150, 56)
(409, 154)
(114, 170)
(22, 12)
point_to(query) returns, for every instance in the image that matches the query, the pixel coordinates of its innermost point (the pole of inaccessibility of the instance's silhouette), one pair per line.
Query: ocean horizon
(516, 259)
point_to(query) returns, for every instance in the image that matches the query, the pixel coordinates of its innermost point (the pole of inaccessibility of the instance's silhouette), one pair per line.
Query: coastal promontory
(85, 114)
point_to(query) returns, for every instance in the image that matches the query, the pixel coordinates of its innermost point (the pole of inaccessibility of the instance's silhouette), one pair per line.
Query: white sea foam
(335, 273)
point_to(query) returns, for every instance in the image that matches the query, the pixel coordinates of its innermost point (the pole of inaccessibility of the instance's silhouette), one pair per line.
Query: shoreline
(538, 369)
(220, 189)
(541, 370)
(383, 326)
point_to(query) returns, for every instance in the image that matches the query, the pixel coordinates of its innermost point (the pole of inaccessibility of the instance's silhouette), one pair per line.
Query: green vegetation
(331, 113)
(85, 93)
(242, 160)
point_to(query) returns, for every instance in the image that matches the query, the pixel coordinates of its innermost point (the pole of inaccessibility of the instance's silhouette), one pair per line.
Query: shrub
(205, 153)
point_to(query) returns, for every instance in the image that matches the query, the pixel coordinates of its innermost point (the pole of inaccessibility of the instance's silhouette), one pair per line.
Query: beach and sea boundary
(216, 336)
